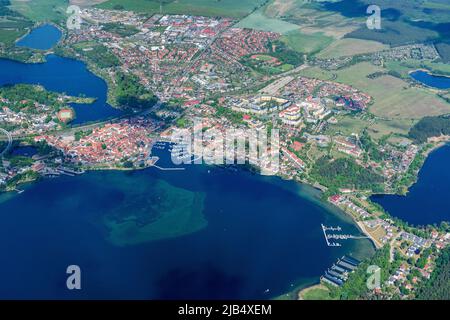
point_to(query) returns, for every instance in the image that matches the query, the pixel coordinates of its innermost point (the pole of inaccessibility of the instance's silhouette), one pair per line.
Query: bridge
(9, 139)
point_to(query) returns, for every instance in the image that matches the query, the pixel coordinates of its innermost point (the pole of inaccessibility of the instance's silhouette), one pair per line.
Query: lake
(205, 232)
(430, 80)
(43, 37)
(427, 201)
(63, 75)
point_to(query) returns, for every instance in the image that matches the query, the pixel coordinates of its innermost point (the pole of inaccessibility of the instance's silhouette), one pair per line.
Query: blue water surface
(427, 201)
(43, 37)
(428, 79)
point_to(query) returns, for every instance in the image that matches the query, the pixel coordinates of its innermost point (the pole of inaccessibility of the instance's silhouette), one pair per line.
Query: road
(9, 138)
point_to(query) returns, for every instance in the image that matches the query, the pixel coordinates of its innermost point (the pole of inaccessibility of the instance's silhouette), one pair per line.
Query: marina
(337, 236)
(197, 263)
(339, 271)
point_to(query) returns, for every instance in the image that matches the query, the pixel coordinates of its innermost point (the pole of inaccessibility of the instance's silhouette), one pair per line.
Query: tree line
(430, 127)
(438, 286)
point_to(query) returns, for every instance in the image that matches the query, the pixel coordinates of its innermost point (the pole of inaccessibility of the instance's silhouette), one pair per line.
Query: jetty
(337, 236)
(339, 272)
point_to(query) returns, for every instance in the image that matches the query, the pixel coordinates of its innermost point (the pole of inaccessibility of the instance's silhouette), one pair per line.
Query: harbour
(198, 255)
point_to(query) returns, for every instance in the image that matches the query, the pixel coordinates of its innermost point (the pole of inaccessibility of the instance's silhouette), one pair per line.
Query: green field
(393, 97)
(307, 43)
(12, 24)
(259, 21)
(317, 294)
(8, 37)
(377, 128)
(349, 47)
(41, 10)
(12, 28)
(317, 73)
(226, 8)
(397, 104)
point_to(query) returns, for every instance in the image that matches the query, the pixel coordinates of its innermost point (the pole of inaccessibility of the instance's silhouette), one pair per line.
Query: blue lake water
(261, 233)
(428, 79)
(428, 200)
(241, 235)
(43, 37)
(65, 76)
(25, 151)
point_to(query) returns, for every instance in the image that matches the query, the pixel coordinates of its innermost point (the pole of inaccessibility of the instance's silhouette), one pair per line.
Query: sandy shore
(307, 289)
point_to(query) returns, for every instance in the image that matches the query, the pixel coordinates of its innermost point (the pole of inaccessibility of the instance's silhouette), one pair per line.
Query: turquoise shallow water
(200, 233)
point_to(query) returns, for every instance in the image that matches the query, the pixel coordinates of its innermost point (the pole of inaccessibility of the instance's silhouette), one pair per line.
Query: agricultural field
(12, 28)
(403, 68)
(41, 10)
(259, 21)
(12, 24)
(317, 73)
(349, 47)
(8, 37)
(395, 34)
(444, 51)
(226, 8)
(377, 128)
(86, 3)
(394, 98)
(311, 18)
(403, 22)
(307, 43)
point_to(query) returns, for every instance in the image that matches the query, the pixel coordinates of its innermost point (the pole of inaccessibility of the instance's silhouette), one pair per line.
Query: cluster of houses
(30, 118)
(98, 16)
(288, 112)
(348, 147)
(111, 144)
(259, 105)
(389, 229)
(417, 243)
(342, 201)
(327, 93)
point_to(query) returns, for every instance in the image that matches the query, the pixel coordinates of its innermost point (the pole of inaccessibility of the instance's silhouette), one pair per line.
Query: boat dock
(340, 270)
(337, 236)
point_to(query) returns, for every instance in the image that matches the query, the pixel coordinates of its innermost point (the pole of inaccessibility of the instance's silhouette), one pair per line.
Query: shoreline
(302, 292)
(429, 72)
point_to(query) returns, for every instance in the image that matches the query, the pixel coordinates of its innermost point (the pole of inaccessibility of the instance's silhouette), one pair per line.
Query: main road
(9, 138)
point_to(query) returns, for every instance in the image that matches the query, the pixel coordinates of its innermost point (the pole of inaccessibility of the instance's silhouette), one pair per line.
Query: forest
(345, 173)
(22, 97)
(438, 286)
(356, 285)
(131, 94)
(430, 127)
